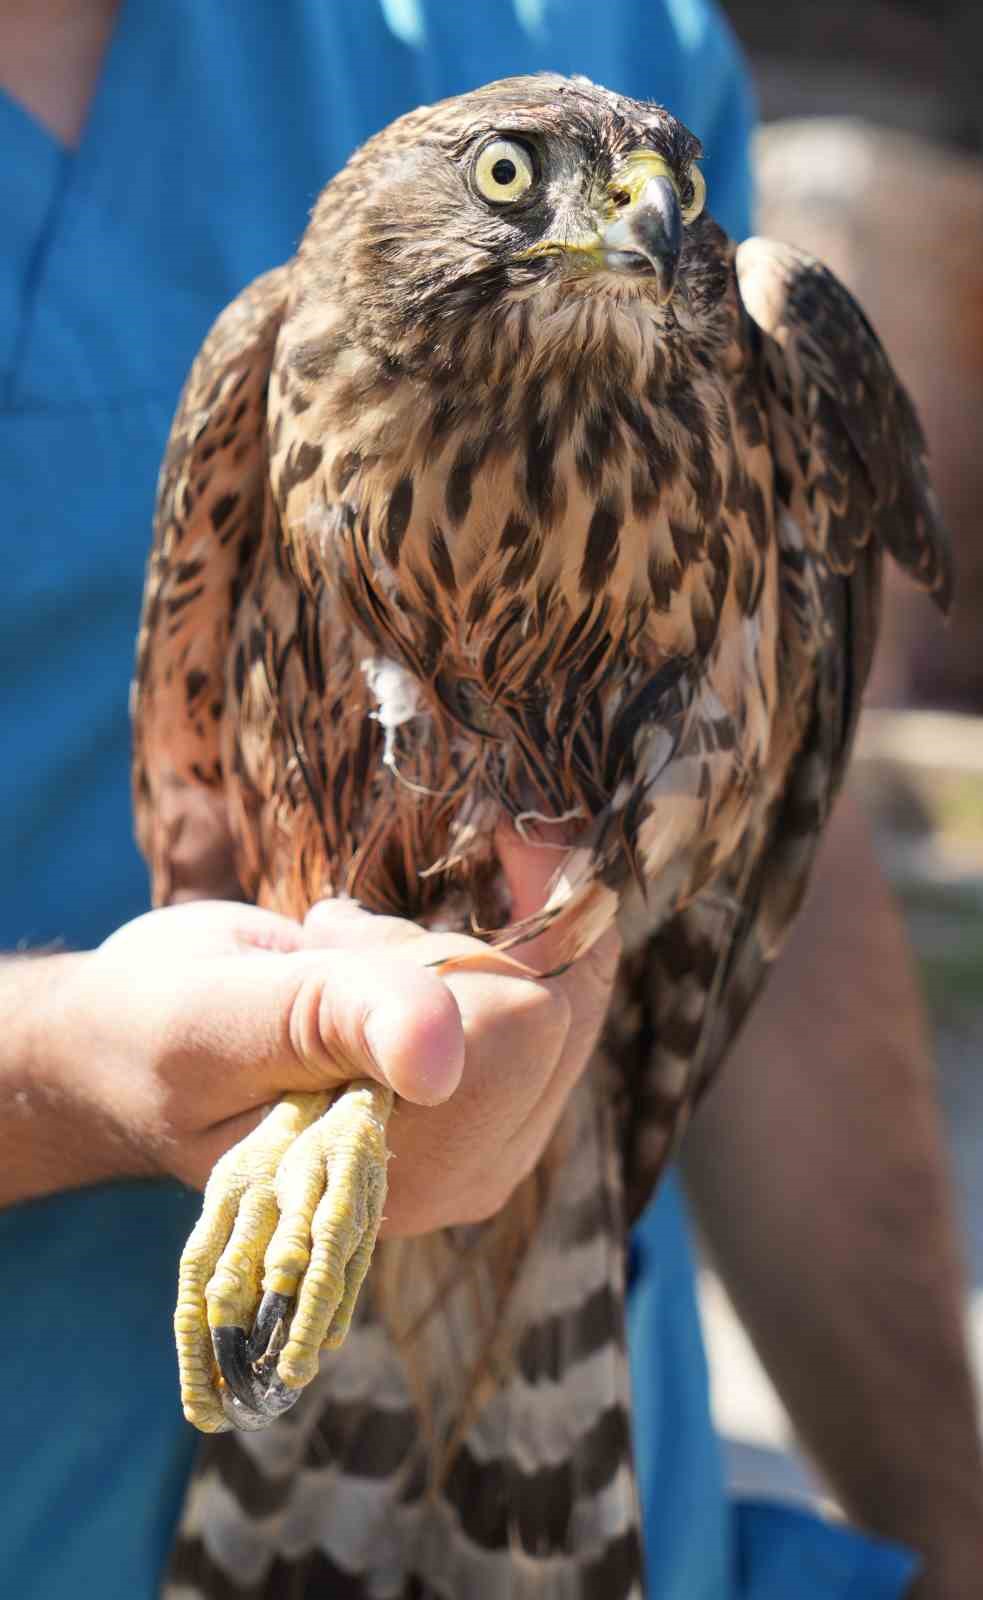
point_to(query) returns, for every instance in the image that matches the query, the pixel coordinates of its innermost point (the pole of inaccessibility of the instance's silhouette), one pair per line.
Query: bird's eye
(693, 196)
(503, 171)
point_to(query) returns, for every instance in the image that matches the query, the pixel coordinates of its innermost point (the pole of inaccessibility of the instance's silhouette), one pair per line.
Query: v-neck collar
(28, 124)
(38, 176)
(123, 85)
(33, 174)
(50, 192)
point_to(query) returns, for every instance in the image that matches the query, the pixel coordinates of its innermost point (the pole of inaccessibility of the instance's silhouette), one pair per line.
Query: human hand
(526, 1044)
(162, 1048)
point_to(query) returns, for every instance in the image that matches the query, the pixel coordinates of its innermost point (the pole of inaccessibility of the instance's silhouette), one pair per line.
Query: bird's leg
(271, 1272)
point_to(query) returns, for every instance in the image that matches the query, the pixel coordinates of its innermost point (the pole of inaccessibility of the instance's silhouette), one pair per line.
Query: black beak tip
(657, 230)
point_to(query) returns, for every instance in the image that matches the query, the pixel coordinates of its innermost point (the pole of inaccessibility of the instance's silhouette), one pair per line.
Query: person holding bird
(157, 1050)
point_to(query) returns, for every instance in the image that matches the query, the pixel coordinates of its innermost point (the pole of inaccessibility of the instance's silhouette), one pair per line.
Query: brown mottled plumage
(465, 519)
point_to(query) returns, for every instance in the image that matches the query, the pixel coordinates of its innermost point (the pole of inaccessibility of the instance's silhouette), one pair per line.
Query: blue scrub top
(213, 128)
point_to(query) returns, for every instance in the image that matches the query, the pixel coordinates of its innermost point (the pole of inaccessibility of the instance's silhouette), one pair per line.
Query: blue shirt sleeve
(783, 1550)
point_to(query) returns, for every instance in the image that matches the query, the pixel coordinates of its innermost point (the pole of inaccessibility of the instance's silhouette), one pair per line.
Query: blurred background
(871, 157)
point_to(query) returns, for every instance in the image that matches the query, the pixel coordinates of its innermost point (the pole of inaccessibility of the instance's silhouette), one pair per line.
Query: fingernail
(334, 920)
(415, 1051)
(338, 905)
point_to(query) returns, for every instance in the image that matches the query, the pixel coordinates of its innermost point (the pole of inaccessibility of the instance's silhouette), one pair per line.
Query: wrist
(32, 988)
(53, 1134)
(951, 1544)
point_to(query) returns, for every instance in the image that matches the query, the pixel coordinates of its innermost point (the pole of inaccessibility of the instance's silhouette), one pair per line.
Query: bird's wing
(850, 483)
(860, 450)
(208, 522)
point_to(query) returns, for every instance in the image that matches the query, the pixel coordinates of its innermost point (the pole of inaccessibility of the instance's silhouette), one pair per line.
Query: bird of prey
(519, 496)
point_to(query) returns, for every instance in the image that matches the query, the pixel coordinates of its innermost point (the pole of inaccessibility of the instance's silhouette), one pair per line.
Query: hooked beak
(638, 226)
(647, 235)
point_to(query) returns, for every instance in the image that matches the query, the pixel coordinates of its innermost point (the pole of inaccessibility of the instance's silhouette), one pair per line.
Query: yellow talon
(291, 1215)
(342, 1229)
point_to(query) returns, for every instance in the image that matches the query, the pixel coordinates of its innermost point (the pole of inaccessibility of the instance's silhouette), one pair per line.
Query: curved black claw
(253, 1394)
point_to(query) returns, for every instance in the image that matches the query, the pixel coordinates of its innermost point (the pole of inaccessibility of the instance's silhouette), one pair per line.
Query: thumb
(268, 1022)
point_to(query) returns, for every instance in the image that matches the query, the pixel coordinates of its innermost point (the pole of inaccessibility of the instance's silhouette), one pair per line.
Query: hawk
(518, 496)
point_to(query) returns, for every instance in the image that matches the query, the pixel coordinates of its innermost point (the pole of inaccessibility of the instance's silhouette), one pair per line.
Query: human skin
(158, 1051)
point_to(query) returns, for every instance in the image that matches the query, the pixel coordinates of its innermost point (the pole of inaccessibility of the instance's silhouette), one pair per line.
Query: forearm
(819, 1173)
(50, 1138)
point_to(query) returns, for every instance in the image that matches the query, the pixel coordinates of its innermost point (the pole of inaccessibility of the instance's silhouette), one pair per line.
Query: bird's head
(529, 185)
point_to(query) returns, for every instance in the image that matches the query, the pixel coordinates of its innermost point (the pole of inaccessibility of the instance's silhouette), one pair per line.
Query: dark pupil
(504, 172)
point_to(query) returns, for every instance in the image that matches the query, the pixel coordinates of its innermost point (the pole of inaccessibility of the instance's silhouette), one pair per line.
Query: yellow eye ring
(503, 171)
(698, 199)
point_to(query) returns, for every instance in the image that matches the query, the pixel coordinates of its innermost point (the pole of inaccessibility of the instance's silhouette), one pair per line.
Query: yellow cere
(643, 165)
